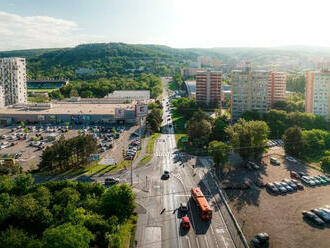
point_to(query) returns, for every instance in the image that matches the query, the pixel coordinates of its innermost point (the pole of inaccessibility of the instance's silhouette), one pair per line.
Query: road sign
(141, 110)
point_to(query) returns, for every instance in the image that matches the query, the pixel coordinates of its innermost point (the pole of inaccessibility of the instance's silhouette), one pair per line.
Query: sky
(26, 24)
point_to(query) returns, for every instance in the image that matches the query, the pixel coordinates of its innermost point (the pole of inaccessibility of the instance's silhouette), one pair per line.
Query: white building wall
(13, 81)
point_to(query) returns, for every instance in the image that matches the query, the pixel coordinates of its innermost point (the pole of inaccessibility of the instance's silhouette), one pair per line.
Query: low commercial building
(79, 113)
(120, 96)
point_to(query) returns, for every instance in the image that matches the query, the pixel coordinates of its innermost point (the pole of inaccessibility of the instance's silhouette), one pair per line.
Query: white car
(291, 159)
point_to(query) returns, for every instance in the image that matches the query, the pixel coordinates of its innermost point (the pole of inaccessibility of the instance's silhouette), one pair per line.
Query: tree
(218, 130)
(23, 183)
(219, 152)
(325, 163)
(16, 238)
(22, 124)
(199, 132)
(293, 141)
(248, 137)
(251, 115)
(119, 201)
(67, 236)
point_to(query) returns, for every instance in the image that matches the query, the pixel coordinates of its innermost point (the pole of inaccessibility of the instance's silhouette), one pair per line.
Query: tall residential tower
(208, 87)
(13, 88)
(256, 90)
(317, 93)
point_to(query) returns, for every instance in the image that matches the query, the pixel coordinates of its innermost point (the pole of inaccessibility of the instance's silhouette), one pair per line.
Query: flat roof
(71, 109)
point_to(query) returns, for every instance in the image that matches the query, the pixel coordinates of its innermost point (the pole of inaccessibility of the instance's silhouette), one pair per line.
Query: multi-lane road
(159, 200)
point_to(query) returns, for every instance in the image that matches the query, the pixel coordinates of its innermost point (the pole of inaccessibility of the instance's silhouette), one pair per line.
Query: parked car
(313, 217)
(260, 240)
(274, 161)
(316, 180)
(325, 178)
(299, 185)
(290, 183)
(288, 187)
(322, 214)
(307, 181)
(320, 179)
(294, 174)
(291, 159)
(272, 188)
(185, 222)
(301, 174)
(253, 165)
(111, 181)
(280, 187)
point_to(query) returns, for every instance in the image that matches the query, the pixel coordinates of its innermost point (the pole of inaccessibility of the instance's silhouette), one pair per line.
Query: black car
(166, 174)
(313, 217)
(260, 240)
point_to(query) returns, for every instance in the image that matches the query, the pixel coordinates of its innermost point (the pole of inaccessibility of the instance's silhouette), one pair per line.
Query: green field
(40, 90)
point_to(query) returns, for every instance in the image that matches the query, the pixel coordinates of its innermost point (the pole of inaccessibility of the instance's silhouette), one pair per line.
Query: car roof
(185, 219)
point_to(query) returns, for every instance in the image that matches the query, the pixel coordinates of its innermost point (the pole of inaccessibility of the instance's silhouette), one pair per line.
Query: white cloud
(18, 32)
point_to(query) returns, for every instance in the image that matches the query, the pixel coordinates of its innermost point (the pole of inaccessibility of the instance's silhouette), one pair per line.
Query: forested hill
(106, 59)
(113, 59)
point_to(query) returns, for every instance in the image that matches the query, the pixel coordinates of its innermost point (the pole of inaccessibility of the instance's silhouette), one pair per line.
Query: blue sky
(177, 23)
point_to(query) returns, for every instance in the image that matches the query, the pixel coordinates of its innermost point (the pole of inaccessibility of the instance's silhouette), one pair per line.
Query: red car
(294, 174)
(185, 222)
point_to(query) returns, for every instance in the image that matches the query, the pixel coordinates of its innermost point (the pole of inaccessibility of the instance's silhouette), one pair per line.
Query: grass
(151, 143)
(179, 122)
(41, 90)
(146, 159)
(127, 231)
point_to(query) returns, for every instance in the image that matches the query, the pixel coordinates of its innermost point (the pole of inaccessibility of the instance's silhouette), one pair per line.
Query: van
(274, 161)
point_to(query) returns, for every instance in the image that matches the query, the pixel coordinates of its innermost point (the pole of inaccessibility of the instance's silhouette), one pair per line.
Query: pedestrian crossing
(163, 154)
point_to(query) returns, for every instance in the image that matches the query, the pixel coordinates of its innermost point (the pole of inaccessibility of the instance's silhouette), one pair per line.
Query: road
(159, 217)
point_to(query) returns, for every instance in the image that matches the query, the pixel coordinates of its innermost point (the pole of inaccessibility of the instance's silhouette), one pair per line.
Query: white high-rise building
(13, 87)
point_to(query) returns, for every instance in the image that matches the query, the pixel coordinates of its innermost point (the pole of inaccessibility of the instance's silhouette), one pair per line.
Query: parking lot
(26, 144)
(280, 215)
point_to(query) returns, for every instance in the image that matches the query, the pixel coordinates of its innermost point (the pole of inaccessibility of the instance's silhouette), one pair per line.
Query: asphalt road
(159, 200)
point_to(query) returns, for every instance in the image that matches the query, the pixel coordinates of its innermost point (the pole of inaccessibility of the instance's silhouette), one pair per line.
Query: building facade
(317, 93)
(13, 81)
(276, 87)
(249, 91)
(208, 87)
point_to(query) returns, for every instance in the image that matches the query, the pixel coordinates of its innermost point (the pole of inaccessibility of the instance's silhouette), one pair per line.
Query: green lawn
(179, 122)
(127, 231)
(41, 90)
(151, 142)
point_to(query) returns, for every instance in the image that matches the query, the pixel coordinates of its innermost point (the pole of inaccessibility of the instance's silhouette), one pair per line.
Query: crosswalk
(163, 154)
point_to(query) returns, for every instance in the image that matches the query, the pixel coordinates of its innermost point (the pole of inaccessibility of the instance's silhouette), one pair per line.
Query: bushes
(325, 163)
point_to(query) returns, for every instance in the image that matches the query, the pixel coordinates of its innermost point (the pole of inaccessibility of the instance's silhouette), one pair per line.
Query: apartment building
(208, 87)
(249, 91)
(317, 93)
(12, 81)
(276, 87)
